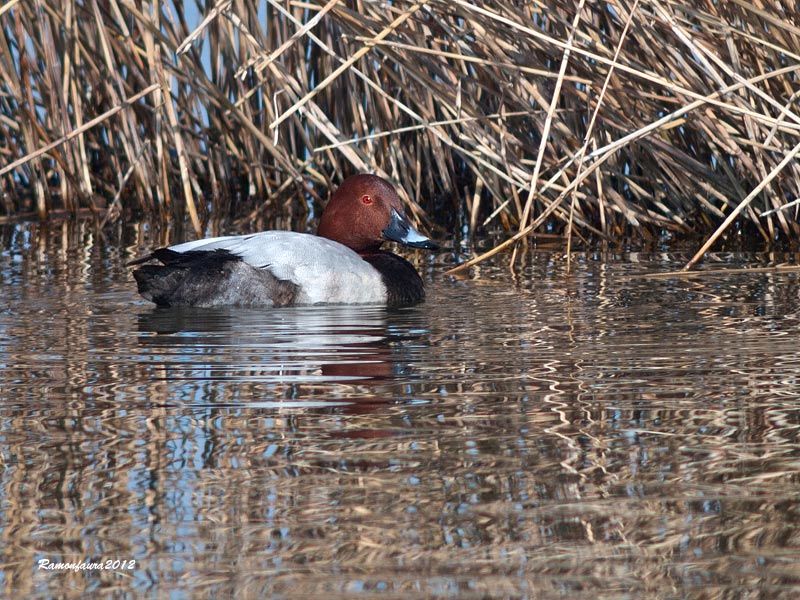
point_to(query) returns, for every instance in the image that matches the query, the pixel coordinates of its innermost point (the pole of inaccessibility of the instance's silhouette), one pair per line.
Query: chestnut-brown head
(364, 212)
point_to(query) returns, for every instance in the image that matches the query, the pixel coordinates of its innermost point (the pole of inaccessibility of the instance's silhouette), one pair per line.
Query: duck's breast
(324, 271)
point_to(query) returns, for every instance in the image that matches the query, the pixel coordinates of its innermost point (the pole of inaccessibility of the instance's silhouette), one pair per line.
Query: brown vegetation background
(595, 118)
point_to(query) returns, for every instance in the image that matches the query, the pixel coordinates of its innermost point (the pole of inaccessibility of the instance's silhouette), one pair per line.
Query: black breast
(403, 283)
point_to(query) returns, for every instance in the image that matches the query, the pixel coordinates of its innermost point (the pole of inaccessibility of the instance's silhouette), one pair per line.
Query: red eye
(366, 199)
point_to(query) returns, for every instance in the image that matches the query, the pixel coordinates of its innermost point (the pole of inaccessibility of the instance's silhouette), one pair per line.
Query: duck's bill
(400, 230)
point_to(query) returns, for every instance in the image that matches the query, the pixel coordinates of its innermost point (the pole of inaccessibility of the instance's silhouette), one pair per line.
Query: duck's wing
(324, 271)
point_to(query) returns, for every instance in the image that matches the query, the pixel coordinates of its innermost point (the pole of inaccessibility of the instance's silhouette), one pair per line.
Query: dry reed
(591, 118)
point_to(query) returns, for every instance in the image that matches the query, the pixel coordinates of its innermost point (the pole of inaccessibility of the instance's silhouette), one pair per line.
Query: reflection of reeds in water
(592, 437)
(652, 115)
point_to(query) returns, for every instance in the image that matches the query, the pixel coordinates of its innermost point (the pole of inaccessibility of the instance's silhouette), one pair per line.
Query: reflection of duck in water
(343, 264)
(316, 349)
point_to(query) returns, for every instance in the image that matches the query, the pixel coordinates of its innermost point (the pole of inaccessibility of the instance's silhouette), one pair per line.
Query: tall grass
(591, 118)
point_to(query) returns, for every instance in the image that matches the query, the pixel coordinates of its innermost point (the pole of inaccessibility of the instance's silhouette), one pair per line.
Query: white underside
(324, 270)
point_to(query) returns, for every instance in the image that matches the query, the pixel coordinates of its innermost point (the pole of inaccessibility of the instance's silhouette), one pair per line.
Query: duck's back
(271, 268)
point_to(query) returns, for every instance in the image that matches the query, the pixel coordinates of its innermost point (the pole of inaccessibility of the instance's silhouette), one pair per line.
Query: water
(588, 435)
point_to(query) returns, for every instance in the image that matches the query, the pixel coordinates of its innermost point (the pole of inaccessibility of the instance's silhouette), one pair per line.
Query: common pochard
(342, 264)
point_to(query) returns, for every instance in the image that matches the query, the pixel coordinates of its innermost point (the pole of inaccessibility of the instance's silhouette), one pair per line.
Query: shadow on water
(584, 435)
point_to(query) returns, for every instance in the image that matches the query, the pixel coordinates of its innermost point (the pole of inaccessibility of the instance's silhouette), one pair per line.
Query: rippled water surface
(593, 434)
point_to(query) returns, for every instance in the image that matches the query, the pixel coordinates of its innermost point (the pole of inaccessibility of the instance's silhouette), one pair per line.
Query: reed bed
(596, 119)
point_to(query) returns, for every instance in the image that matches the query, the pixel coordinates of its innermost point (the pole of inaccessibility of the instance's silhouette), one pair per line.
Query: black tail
(170, 257)
(209, 278)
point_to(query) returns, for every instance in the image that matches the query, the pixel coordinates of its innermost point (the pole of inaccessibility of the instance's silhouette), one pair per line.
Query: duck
(342, 264)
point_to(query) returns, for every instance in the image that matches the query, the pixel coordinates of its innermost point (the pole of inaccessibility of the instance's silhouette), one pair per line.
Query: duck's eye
(366, 199)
